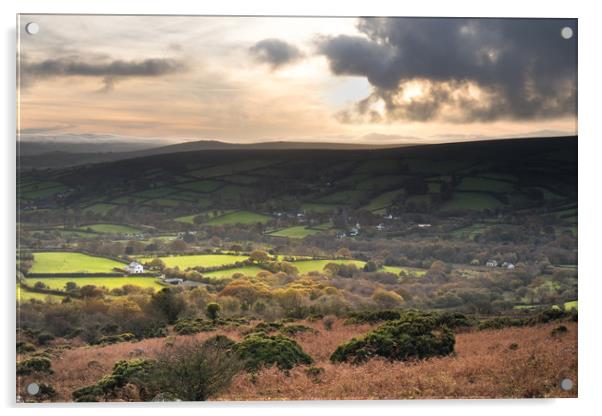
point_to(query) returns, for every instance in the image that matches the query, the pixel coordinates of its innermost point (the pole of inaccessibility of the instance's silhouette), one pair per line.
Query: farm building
(491, 263)
(507, 265)
(134, 267)
(174, 281)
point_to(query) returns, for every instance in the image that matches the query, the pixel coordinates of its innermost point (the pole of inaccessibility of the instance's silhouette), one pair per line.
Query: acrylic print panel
(294, 208)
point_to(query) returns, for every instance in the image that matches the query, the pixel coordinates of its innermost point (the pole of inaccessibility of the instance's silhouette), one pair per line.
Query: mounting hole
(566, 32)
(32, 28)
(566, 384)
(33, 389)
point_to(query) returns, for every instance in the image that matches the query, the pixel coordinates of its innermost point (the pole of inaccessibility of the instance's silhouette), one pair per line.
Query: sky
(254, 79)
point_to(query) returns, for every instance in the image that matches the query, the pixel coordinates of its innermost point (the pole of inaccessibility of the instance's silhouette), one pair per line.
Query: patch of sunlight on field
(58, 283)
(68, 262)
(110, 228)
(198, 260)
(24, 295)
(294, 232)
(222, 274)
(239, 217)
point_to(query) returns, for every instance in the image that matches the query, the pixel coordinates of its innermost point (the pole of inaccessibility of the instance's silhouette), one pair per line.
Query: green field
(383, 200)
(473, 201)
(410, 270)
(241, 179)
(110, 228)
(42, 193)
(379, 182)
(239, 217)
(163, 202)
(484, 184)
(223, 274)
(294, 232)
(24, 295)
(100, 208)
(230, 168)
(201, 186)
(68, 262)
(154, 192)
(306, 266)
(343, 197)
(319, 208)
(202, 260)
(58, 283)
(378, 166)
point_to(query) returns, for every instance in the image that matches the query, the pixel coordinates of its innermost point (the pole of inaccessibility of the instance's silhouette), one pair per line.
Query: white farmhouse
(134, 267)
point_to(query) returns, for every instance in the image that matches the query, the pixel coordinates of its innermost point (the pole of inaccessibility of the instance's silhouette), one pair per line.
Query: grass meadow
(68, 262)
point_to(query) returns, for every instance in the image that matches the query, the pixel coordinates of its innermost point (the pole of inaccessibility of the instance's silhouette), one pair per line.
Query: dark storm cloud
(525, 67)
(110, 72)
(275, 52)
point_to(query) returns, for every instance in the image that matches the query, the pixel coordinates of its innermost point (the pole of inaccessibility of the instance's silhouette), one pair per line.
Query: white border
(589, 196)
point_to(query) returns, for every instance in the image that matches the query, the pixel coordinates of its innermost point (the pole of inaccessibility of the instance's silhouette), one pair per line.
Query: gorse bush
(259, 350)
(186, 326)
(24, 347)
(114, 339)
(371, 317)
(124, 372)
(34, 365)
(292, 330)
(414, 335)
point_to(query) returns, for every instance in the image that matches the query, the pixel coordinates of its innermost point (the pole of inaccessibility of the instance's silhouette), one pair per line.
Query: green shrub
(501, 322)
(259, 350)
(372, 317)
(34, 365)
(559, 330)
(186, 326)
(124, 372)
(24, 347)
(114, 339)
(44, 337)
(292, 330)
(46, 392)
(212, 310)
(415, 335)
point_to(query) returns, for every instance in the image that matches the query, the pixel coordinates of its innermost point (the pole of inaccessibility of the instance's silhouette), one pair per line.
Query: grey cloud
(110, 72)
(524, 66)
(275, 52)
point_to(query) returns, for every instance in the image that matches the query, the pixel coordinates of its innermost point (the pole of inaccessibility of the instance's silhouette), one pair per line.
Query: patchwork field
(222, 274)
(202, 260)
(58, 283)
(110, 228)
(471, 201)
(68, 262)
(239, 217)
(24, 295)
(294, 232)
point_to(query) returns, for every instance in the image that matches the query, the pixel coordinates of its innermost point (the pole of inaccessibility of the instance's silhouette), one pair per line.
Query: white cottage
(134, 267)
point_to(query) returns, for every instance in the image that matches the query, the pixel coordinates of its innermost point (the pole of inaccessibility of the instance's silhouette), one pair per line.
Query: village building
(491, 263)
